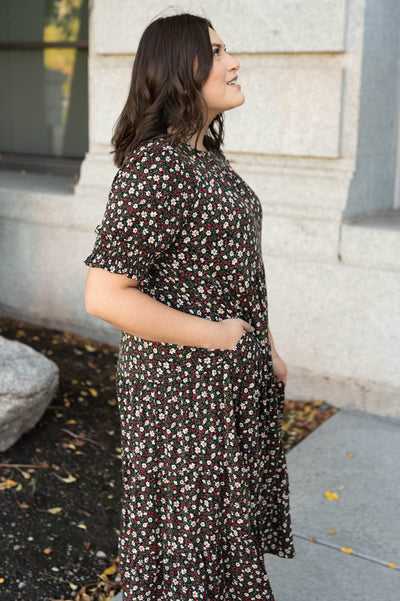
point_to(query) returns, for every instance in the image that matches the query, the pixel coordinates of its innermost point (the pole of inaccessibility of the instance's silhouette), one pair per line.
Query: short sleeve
(146, 209)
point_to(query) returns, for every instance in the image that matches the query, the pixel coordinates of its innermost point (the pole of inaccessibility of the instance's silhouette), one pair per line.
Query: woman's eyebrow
(219, 46)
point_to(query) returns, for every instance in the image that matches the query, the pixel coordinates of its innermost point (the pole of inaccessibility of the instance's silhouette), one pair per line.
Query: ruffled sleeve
(146, 209)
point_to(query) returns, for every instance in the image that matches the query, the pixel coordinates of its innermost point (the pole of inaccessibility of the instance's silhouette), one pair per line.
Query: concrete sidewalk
(356, 456)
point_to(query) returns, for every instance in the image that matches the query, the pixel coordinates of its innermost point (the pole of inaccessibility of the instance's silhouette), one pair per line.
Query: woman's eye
(218, 51)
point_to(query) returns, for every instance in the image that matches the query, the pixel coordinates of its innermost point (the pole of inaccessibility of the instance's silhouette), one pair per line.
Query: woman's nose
(234, 64)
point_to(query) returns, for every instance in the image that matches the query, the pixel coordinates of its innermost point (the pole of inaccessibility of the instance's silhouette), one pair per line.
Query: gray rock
(28, 381)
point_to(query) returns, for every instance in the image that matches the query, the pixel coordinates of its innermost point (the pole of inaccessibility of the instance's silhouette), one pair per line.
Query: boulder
(28, 381)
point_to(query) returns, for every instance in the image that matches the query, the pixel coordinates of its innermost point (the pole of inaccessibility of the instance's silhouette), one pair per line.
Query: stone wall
(316, 144)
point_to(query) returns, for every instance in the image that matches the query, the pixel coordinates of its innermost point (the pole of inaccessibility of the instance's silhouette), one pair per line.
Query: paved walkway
(355, 456)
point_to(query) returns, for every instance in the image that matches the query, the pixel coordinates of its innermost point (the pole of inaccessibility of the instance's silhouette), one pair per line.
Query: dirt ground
(60, 484)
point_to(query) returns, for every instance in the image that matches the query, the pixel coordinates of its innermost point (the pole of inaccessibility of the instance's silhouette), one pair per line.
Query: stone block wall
(316, 139)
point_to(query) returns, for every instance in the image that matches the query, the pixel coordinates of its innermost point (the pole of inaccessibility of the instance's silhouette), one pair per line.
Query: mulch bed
(60, 484)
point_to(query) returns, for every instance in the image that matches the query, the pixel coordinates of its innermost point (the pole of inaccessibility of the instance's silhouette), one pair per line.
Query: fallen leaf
(93, 392)
(82, 526)
(73, 586)
(26, 475)
(8, 484)
(1, 580)
(70, 478)
(332, 532)
(54, 510)
(110, 570)
(350, 454)
(347, 550)
(71, 421)
(311, 539)
(340, 487)
(391, 565)
(47, 551)
(89, 348)
(331, 496)
(19, 487)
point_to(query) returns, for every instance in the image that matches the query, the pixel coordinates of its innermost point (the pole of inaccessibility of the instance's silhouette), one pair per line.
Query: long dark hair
(173, 61)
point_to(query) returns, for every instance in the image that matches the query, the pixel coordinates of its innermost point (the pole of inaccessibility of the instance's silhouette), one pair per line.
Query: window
(43, 70)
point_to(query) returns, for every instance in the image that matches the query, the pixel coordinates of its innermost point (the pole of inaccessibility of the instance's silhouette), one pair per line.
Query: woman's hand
(230, 332)
(279, 368)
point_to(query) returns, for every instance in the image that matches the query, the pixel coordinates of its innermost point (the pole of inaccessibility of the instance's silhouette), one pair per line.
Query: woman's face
(221, 90)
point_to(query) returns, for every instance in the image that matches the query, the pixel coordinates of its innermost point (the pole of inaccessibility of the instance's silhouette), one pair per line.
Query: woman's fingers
(247, 326)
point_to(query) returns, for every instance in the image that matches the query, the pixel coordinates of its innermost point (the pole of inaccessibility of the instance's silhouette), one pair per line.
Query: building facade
(317, 139)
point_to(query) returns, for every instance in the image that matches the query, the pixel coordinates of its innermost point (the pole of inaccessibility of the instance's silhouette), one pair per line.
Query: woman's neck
(197, 141)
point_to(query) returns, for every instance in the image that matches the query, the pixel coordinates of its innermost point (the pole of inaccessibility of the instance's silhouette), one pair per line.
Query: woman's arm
(115, 298)
(279, 366)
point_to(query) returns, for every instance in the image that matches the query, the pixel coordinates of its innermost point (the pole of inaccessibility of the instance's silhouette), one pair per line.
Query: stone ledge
(349, 393)
(43, 200)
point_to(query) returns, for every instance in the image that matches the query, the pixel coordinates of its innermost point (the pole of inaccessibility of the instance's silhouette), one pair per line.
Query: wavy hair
(173, 61)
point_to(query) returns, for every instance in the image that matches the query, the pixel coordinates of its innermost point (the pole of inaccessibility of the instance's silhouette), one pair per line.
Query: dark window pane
(43, 102)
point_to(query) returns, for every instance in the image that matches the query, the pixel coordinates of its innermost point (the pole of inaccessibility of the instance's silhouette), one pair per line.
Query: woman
(177, 267)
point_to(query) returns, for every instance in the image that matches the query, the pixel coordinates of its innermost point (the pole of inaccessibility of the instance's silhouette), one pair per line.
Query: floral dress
(204, 472)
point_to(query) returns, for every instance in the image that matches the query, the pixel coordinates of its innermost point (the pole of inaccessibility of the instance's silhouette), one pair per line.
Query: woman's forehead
(214, 37)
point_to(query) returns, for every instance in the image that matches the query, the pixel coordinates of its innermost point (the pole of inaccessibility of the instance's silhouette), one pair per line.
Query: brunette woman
(177, 266)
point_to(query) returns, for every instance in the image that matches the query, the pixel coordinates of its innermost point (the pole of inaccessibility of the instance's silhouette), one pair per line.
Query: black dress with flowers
(205, 478)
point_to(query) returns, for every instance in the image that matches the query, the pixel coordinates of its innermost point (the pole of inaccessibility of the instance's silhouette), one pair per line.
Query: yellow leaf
(391, 565)
(1, 580)
(71, 421)
(8, 484)
(93, 392)
(21, 333)
(332, 532)
(110, 570)
(89, 348)
(340, 487)
(73, 586)
(54, 510)
(19, 487)
(26, 475)
(111, 432)
(67, 480)
(350, 454)
(347, 550)
(47, 551)
(331, 496)
(82, 526)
